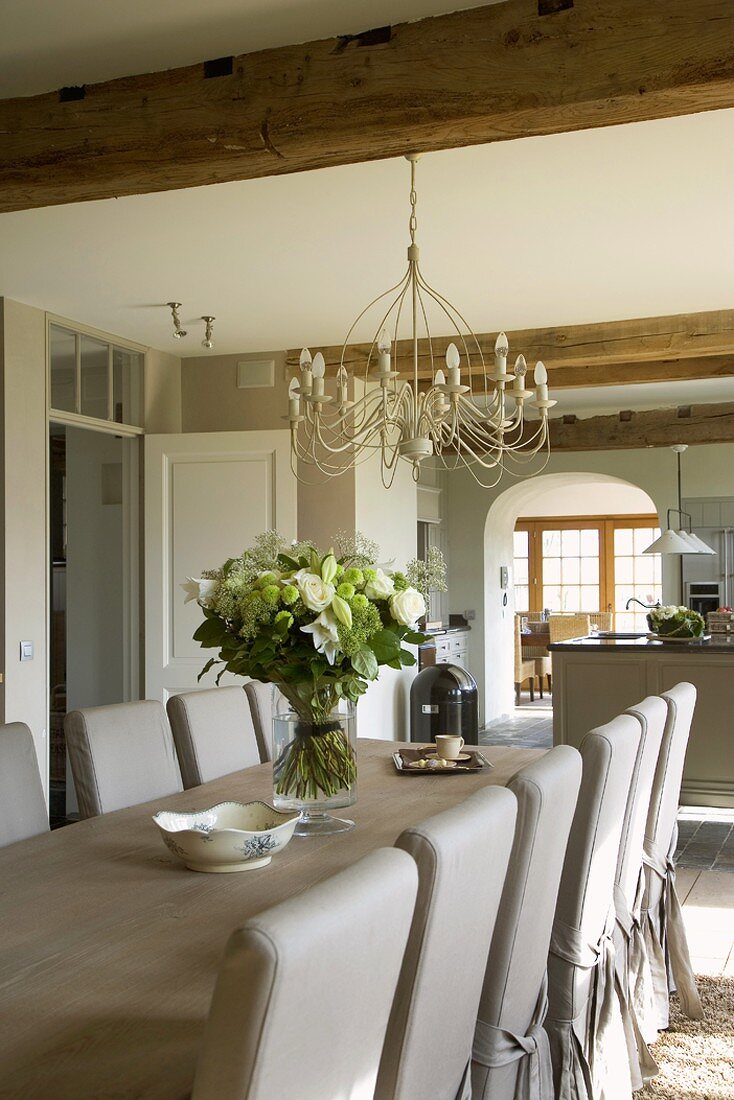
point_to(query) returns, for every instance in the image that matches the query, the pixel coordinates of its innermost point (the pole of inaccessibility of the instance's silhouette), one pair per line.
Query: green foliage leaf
(415, 637)
(365, 663)
(212, 632)
(209, 664)
(385, 645)
(407, 659)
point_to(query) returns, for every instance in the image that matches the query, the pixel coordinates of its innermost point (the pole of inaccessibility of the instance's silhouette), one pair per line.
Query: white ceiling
(48, 44)
(606, 224)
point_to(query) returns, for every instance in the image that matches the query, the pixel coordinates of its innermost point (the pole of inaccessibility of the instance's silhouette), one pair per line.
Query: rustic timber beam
(692, 424)
(491, 73)
(611, 353)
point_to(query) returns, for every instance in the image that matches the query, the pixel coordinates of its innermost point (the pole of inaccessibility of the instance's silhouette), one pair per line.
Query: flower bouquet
(318, 626)
(676, 622)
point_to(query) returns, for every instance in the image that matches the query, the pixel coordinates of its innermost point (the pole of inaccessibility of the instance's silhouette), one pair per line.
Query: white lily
(325, 635)
(199, 589)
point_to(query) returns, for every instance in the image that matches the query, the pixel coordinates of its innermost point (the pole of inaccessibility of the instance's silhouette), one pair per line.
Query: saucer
(460, 759)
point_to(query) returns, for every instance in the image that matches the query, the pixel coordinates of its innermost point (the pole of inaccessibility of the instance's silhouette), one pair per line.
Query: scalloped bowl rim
(289, 817)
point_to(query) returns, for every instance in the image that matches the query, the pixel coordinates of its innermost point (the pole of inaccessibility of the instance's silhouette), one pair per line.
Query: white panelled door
(207, 495)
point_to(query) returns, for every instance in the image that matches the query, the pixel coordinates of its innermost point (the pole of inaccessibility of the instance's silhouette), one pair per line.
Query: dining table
(110, 946)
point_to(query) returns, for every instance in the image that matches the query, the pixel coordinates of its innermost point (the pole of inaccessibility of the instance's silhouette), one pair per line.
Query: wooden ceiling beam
(693, 424)
(508, 70)
(614, 353)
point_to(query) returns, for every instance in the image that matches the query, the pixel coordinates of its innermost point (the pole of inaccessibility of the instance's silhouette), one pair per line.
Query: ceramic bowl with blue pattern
(233, 836)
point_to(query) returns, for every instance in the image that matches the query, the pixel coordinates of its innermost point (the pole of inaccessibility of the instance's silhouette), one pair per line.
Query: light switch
(26, 651)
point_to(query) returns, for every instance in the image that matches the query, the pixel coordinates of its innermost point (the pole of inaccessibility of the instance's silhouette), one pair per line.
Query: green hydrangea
(345, 590)
(283, 616)
(270, 594)
(354, 577)
(266, 579)
(369, 575)
(359, 601)
(366, 622)
(289, 594)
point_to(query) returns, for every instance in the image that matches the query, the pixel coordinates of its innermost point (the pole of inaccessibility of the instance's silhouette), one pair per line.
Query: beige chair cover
(510, 1057)
(662, 919)
(629, 885)
(213, 732)
(22, 805)
(303, 996)
(584, 1021)
(121, 755)
(260, 698)
(462, 857)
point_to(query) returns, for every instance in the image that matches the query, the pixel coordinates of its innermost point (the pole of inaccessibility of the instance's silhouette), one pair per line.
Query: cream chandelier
(466, 415)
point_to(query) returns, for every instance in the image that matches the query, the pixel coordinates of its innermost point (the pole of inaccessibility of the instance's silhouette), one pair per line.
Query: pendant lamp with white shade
(680, 540)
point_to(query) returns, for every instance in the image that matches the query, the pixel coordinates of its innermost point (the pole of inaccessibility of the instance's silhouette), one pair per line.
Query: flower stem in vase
(318, 763)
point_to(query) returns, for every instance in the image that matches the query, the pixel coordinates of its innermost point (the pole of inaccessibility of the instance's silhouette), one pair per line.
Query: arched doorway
(586, 493)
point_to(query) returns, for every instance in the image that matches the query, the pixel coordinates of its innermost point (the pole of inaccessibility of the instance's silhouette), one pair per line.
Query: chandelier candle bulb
(294, 399)
(501, 347)
(521, 369)
(306, 373)
(383, 352)
(318, 370)
(341, 385)
(541, 381)
(453, 362)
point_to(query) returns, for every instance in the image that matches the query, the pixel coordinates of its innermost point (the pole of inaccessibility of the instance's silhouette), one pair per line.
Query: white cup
(449, 746)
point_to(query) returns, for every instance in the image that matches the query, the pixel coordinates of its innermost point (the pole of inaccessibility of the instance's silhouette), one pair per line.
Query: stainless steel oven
(704, 596)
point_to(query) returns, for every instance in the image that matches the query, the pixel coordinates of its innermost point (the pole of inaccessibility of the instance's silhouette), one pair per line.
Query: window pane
(570, 543)
(521, 571)
(62, 355)
(645, 569)
(551, 544)
(571, 570)
(522, 598)
(624, 570)
(622, 593)
(552, 597)
(552, 571)
(127, 382)
(590, 542)
(623, 542)
(519, 542)
(643, 537)
(571, 599)
(94, 382)
(589, 570)
(589, 597)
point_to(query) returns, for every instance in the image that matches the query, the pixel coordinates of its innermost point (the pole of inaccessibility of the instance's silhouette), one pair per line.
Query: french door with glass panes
(587, 564)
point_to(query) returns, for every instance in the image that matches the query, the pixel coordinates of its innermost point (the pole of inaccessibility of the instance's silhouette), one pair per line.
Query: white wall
(390, 517)
(480, 540)
(94, 580)
(613, 498)
(24, 568)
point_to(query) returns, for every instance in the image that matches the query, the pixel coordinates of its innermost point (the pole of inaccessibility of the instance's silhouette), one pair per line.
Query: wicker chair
(524, 668)
(604, 620)
(563, 627)
(539, 654)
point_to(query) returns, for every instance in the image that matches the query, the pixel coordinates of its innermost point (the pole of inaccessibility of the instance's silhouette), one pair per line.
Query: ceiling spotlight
(208, 342)
(178, 332)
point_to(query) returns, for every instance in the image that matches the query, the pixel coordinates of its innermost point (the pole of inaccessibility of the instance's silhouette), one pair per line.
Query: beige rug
(696, 1057)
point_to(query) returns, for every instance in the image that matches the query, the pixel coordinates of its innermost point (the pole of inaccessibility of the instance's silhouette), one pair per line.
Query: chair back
(513, 995)
(462, 856)
(562, 627)
(260, 698)
(651, 714)
(524, 667)
(121, 755)
(663, 812)
(602, 619)
(303, 996)
(582, 950)
(22, 805)
(213, 732)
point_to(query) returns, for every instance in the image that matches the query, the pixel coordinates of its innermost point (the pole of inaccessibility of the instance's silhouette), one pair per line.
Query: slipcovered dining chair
(260, 698)
(524, 668)
(121, 755)
(303, 996)
(629, 885)
(462, 856)
(584, 1021)
(510, 1057)
(213, 732)
(22, 805)
(662, 920)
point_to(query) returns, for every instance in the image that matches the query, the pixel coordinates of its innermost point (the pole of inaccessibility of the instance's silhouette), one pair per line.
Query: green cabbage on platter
(676, 622)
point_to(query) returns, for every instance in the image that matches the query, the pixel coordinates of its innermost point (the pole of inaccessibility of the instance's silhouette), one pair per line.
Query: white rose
(315, 593)
(407, 607)
(380, 588)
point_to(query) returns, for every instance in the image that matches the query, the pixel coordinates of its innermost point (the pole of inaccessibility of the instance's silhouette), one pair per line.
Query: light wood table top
(110, 947)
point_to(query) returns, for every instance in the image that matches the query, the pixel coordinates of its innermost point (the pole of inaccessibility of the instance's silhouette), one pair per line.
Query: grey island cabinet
(596, 678)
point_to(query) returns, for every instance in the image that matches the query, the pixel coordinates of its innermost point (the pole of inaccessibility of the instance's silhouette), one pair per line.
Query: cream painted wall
(24, 566)
(585, 500)
(480, 540)
(162, 392)
(211, 401)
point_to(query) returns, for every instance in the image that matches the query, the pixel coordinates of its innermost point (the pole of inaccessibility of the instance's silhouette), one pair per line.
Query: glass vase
(315, 766)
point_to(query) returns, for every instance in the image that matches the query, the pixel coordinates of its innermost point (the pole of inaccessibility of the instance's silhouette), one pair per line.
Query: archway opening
(560, 494)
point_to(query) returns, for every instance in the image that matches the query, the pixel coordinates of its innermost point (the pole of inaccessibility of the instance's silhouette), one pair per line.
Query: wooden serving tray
(406, 759)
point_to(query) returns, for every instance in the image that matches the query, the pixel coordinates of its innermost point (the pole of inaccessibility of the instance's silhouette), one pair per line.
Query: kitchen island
(595, 679)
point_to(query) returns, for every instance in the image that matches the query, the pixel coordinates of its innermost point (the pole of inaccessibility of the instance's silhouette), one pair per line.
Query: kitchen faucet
(633, 599)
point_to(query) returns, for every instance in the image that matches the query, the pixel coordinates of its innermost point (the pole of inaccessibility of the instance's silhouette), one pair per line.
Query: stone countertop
(717, 643)
(453, 629)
